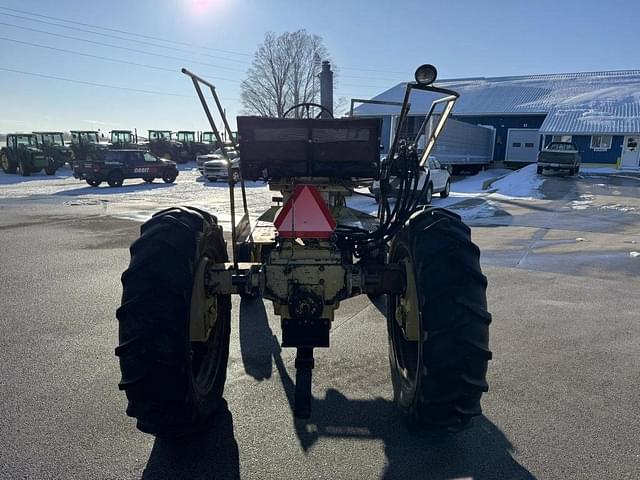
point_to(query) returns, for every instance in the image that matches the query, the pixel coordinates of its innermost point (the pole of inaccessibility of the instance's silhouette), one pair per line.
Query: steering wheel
(307, 106)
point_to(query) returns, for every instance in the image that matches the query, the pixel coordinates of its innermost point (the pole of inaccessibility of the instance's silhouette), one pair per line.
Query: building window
(561, 138)
(600, 142)
(528, 145)
(516, 144)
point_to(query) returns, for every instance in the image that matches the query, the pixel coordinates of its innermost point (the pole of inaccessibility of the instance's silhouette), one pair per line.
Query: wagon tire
(94, 183)
(174, 386)
(439, 370)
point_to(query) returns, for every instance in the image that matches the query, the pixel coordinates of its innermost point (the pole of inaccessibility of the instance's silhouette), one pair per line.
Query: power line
(109, 59)
(93, 84)
(125, 32)
(145, 52)
(103, 85)
(111, 36)
(151, 37)
(119, 47)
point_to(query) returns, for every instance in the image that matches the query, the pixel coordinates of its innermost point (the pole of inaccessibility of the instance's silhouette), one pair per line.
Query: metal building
(598, 111)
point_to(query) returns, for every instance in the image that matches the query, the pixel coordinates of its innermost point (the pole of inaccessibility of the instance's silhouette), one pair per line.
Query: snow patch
(634, 254)
(524, 183)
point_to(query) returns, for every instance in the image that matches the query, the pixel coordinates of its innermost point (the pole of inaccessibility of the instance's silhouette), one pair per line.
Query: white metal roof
(588, 102)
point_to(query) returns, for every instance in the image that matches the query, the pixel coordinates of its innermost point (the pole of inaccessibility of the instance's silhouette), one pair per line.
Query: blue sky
(375, 44)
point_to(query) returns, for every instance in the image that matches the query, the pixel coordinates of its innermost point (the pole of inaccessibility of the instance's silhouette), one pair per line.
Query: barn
(598, 111)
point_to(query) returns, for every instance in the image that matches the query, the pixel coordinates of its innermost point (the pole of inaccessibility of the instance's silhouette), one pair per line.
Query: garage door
(522, 145)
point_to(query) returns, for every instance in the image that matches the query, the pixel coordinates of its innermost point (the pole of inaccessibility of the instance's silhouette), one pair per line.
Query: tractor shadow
(223, 183)
(211, 454)
(481, 451)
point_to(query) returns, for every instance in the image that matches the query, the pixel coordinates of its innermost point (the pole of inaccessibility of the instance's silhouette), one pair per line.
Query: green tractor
(194, 148)
(162, 144)
(124, 139)
(85, 145)
(53, 146)
(22, 155)
(210, 139)
(306, 256)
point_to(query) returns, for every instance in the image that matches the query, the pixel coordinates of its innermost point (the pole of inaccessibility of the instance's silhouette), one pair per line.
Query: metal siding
(606, 120)
(502, 124)
(462, 143)
(459, 142)
(588, 102)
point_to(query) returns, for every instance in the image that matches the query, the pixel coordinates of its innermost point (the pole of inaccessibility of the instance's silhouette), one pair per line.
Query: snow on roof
(587, 102)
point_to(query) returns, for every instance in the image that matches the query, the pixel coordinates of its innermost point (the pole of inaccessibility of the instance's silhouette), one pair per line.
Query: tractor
(53, 146)
(192, 146)
(162, 144)
(210, 139)
(306, 256)
(85, 145)
(124, 139)
(22, 155)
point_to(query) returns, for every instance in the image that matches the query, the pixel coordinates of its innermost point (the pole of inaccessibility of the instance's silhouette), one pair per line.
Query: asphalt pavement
(563, 396)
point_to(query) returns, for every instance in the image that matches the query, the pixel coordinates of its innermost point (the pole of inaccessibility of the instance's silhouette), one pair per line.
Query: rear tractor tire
(174, 385)
(7, 165)
(149, 179)
(438, 368)
(94, 183)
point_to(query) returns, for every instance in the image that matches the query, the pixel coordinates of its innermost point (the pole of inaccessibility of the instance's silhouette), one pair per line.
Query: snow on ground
(138, 200)
(524, 183)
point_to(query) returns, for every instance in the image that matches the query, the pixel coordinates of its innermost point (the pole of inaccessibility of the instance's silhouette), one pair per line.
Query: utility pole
(326, 88)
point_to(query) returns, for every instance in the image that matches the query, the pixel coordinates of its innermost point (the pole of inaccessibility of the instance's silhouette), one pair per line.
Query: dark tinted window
(528, 145)
(114, 157)
(134, 158)
(516, 144)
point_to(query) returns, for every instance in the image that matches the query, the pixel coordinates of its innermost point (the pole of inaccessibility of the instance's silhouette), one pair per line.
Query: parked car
(219, 169)
(559, 156)
(439, 181)
(214, 166)
(117, 165)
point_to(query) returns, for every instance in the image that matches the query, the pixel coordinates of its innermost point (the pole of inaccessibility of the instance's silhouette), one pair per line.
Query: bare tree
(284, 72)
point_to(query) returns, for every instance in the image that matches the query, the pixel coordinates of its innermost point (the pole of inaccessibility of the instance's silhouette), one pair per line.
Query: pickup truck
(559, 156)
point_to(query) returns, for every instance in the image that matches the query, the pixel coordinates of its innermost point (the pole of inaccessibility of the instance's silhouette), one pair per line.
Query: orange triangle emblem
(305, 215)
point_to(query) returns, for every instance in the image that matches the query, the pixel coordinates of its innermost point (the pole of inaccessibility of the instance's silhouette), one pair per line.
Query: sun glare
(201, 7)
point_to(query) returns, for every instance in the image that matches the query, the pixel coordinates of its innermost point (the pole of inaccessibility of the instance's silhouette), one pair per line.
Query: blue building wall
(502, 123)
(583, 142)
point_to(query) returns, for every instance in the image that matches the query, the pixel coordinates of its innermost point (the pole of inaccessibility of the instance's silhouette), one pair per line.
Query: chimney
(326, 88)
